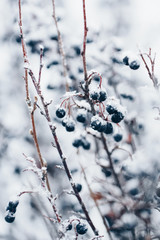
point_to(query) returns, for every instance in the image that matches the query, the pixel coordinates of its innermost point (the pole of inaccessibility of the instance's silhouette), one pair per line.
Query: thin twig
(96, 203)
(24, 54)
(41, 65)
(84, 43)
(61, 48)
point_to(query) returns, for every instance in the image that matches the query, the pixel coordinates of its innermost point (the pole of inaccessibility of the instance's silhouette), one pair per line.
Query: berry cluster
(11, 210)
(81, 142)
(81, 228)
(134, 64)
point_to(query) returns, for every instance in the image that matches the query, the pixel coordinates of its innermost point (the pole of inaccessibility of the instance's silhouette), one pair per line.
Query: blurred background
(113, 24)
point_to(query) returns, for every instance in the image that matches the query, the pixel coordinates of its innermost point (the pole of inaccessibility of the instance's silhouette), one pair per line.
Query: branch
(61, 48)
(84, 43)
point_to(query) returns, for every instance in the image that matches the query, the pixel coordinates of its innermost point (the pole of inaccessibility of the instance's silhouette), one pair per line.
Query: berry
(78, 187)
(110, 109)
(60, 112)
(64, 121)
(158, 191)
(117, 137)
(9, 218)
(134, 191)
(69, 227)
(85, 144)
(117, 117)
(77, 50)
(96, 78)
(70, 126)
(81, 117)
(96, 124)
(77, 143)
(108, 128)
(102, 96)
(81, 228)
(12, 206)
(134, 65)
(94, 95)
(107, 172)
(126, 60)
(102, 128)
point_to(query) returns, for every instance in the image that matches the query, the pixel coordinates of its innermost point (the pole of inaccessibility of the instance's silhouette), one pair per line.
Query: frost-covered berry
(135, 64)
(81, 117)
(78, 187)
(81, 228)
(96, 123)
(102, 96)
(10, 217)
(107, 172)
(60, 112)
(118, 137)
(70, 126)
(126, 60)
(108, 128)
(117, 117)
(69, 227)
(110, 109)
(12, 205)
(77, 143)
(102, 127)
(85, 144)
(64, 121)
(94, 95)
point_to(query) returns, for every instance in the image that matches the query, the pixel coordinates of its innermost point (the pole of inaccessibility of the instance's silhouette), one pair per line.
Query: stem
(61, 48)
(110, 162)
(96, 203)
(84, 43)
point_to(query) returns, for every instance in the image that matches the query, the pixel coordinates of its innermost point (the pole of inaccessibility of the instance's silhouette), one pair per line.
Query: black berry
(12, 206)
(158, 191)
(78, 187)
(108, 128)
(81, 117)
(77, 143)
(107, 172)
(60, 112)
(96, 78)
(126, 60)
(134, 65)
(117, 117)
(85, 144)
(110, 109)
(69, 227)
(118, 137)
(102, 96)
(81, 228)
(94, 95)
(96, 124)
(64, 121)
(9, 218)
(70, 126)
(134, 191)
(102, 128)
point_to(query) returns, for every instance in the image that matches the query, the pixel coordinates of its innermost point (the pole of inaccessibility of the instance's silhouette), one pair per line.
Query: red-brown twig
(84, 42)
(152, 63)
(24, 54)
(61, 48)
